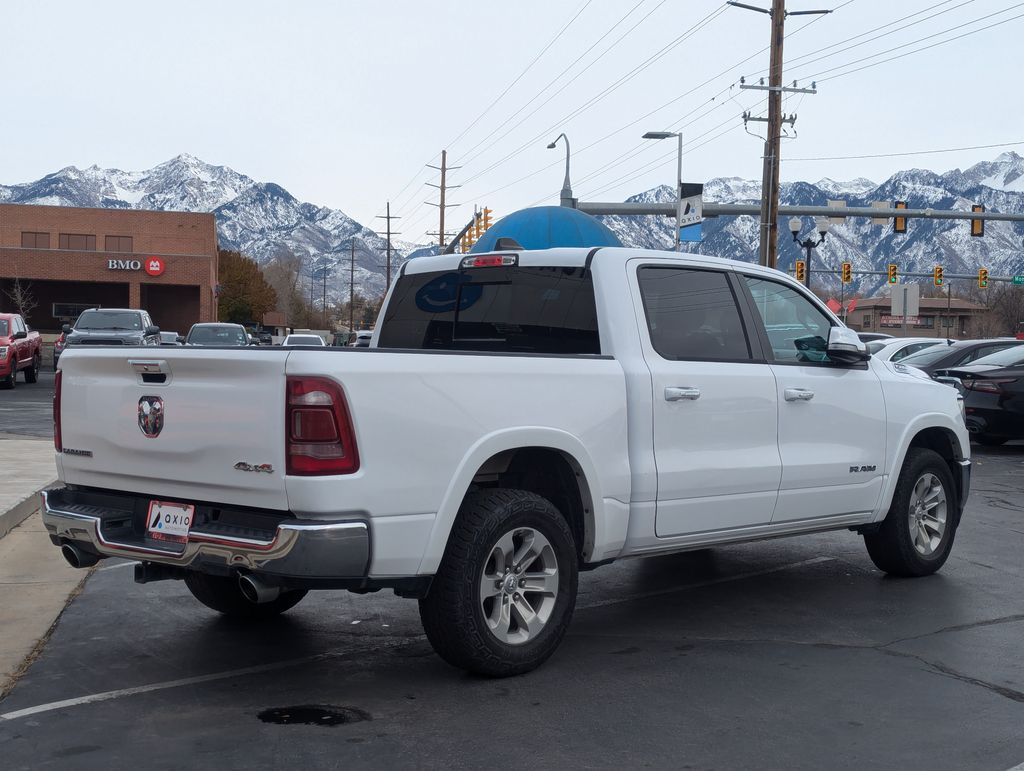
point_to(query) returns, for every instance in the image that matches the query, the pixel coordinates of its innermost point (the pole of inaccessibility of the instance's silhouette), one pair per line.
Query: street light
(679, 174)
(566, 195)
(808, 244)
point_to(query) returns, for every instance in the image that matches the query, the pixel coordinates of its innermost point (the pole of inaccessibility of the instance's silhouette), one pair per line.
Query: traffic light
(487, 218)
(983, 278)
(977, 226)
(847, 273)
(899, 224)
(801, 271)
(937, 275)
(893, 277)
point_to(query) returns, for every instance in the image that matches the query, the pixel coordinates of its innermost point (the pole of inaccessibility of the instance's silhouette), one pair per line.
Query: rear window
(511, 308)
(926, 357)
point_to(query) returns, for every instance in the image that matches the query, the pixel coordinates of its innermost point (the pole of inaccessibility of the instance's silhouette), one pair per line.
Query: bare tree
(22, 298)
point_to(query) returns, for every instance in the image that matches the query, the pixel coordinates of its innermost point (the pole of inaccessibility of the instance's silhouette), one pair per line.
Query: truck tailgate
(222, 414)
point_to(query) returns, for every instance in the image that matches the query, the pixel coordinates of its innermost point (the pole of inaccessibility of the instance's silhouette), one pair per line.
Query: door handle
(798, 395)
(677, 394)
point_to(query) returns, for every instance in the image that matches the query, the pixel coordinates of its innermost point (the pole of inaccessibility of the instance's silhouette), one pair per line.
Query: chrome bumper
(298, 549)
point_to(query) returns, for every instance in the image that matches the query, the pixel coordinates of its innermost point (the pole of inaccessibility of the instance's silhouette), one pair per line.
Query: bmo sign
(154, 266)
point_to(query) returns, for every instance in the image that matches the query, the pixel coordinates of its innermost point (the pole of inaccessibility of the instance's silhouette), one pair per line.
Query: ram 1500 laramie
(519, 416)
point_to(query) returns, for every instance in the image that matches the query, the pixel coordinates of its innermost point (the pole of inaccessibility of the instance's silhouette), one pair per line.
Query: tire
(32, 373)
(464, 603)
(11, 380)
(987, 440)
(901, 548)
(222, 594)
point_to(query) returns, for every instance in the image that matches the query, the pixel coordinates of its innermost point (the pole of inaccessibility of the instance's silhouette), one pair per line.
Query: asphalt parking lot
(27, 411)
(793, 653)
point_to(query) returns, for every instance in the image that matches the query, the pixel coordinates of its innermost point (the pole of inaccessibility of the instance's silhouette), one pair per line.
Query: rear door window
(692, 314)
(504, 309)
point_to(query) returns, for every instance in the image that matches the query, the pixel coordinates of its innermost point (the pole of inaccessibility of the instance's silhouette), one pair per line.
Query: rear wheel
(917, 534)
(505, 592)
(32, 373)
(223, 594)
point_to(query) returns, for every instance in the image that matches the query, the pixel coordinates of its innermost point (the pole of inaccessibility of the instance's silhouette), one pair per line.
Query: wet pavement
(794, 653)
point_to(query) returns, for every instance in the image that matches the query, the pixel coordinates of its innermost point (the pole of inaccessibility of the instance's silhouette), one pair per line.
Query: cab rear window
(503, 309)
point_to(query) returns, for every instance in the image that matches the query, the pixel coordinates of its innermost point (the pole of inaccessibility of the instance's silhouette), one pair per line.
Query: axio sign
(154, 266)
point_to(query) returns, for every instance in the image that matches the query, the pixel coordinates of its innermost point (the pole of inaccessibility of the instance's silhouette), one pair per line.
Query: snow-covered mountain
(263, 220)
(260, 219)
(998, 184)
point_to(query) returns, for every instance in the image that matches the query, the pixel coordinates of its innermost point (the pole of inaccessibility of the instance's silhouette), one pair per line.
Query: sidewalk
(35, 582)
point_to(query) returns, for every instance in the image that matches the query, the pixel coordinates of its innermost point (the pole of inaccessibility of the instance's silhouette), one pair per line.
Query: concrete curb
(22, 510)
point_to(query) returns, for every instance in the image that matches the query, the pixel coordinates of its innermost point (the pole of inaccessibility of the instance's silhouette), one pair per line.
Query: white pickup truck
(520, 416)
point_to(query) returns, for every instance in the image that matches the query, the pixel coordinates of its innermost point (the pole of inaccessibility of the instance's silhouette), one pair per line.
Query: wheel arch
(941, 437)
(551, 463)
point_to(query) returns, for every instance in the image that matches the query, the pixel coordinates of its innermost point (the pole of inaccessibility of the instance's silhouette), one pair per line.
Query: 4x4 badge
(151, 416)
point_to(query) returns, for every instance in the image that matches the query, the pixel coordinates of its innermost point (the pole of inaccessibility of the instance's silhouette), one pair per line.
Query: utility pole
(444, 168)
(388, 217)
(324, 307)
(773, 142)
(352, 288)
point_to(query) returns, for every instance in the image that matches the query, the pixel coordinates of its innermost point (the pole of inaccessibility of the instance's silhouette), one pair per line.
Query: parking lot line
(254, 670)
(701, 584)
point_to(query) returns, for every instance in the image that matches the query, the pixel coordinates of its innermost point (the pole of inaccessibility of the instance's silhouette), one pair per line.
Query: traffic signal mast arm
(979, 276)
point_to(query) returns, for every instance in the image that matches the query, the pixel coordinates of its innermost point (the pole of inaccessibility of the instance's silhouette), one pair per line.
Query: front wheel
(224, 595)
(32, 373)
(917, 534)
(505, 591)
(11, 380)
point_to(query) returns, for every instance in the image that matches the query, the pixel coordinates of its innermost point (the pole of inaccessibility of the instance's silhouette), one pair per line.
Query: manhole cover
(313, 714)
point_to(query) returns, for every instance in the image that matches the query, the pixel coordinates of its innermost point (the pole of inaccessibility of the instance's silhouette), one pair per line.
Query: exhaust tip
(256, 590)
(77, 558)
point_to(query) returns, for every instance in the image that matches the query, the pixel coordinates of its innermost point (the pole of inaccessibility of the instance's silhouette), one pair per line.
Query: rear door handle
(677, 394)
(798, 395)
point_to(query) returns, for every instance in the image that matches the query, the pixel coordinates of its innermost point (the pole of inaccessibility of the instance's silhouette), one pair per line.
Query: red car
(20, 349)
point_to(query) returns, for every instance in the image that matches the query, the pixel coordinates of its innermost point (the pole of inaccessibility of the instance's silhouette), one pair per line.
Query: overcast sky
(343, 103)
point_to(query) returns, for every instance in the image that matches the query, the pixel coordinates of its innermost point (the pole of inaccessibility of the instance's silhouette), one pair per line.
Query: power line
(912, 152)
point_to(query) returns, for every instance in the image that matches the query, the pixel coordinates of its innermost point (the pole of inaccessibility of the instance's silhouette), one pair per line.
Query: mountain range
(263, 220)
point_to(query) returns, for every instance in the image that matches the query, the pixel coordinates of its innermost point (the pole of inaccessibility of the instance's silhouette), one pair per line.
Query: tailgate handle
(151, 371)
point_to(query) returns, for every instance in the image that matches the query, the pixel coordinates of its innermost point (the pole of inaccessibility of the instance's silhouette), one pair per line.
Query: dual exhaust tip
(254, 589)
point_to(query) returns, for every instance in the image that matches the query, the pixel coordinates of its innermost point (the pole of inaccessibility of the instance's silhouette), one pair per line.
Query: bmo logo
(154, 266)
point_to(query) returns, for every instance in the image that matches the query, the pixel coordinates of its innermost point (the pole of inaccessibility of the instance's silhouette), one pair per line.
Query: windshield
(169, 337)
(109, 320)
(225, 335)
(1004, 358)
(3, 328)
(304, 340)
(926, 357)
(875, 346)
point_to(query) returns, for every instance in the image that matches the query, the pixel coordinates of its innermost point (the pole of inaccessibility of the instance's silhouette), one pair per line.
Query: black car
(993, 390)
(110, 326)
(957, 353)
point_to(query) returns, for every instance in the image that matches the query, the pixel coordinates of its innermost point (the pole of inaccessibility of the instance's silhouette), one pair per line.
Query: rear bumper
(308, 551)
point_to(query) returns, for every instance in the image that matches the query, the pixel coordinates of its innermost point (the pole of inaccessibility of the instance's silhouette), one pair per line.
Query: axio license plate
(169, 521)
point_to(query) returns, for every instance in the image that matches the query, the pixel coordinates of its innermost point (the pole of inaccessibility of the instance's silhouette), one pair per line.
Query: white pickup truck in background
(518, 417)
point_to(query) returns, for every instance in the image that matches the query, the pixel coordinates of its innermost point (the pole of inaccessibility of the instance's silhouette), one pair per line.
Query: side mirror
(21, 334)
(66, 329)
(844, 347)
(152, 331)
(180, 339)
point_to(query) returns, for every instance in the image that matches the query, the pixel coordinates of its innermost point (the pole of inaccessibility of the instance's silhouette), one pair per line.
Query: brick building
(938, 317)
(72, 259)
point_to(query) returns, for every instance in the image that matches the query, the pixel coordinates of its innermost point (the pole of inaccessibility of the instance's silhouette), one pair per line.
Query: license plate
(169, 521)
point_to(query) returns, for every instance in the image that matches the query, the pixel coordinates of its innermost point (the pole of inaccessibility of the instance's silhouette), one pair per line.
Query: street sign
(691, 232)
(911, 294)
(895, 321)
(1018, 280)
(690, 210)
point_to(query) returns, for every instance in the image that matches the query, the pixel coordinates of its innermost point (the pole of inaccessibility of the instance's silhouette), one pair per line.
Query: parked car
(303, 340)
(869, 337)
(362, 339)
(172, 339)
(957, 353)
(110, 326)
(526, 415)
(993, 390)
(21, 350)
(896, 348)
(217, 334)
(266, 338)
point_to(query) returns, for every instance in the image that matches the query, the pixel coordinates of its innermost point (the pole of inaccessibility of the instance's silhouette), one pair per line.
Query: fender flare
(504, 441)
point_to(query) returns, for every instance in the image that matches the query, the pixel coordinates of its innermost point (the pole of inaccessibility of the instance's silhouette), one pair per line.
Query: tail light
(989, 386)
(319, 436)
(57, 444)
(58, 344)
